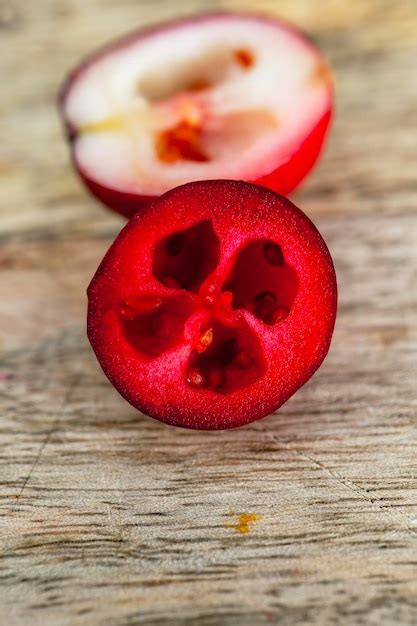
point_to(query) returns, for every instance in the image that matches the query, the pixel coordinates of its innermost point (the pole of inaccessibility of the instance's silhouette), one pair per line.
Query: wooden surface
(108, 517)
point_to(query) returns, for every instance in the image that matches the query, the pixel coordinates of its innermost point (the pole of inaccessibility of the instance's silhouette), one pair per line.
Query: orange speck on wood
(243, 521)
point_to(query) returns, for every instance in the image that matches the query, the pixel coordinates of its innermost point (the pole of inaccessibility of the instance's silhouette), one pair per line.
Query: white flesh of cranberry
(252, 114)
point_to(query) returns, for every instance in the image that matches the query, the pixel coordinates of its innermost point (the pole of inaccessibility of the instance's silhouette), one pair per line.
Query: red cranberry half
(212, 308)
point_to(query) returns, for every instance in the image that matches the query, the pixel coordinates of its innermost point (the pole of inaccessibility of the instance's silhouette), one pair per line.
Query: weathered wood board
(108, 517)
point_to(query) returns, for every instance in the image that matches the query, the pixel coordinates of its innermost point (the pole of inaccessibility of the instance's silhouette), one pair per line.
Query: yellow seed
(205, 340)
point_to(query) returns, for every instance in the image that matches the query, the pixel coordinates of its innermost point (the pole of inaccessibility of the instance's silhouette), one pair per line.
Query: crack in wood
(346, 482)
(70, 390)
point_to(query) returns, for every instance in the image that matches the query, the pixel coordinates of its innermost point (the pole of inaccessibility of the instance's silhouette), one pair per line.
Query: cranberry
(216, 96)
(212, 308)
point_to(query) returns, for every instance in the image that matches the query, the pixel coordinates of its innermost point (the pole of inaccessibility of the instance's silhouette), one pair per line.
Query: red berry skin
(282, 171)
(202, 358)
(288, 176)
(126, 204)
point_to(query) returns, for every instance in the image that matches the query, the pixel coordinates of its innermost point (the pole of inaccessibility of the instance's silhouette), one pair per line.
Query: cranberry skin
(282, 175)
(126, 204)
(212, 308)
(288, 176)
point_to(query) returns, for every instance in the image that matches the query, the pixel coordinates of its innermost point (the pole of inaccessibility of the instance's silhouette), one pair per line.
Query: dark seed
(273, 254)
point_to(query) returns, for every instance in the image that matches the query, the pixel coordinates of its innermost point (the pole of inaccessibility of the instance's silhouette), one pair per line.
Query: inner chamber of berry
(226, 354)
(212, 67)
(197, 133)
(261, 282)
(231, 359)
(152, 325)
(185, 259)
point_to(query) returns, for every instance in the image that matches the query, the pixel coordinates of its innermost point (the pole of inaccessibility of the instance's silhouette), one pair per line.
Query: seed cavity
(262, 282)
(183, 142)
(226, 358)
(214, 65)
(184, 259)
(243, 359)
(175, 244)
(152, 325)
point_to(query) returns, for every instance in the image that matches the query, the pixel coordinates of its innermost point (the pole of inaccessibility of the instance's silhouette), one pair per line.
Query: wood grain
(107, 517)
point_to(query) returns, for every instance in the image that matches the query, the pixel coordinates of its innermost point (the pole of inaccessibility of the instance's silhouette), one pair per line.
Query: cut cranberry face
(212, 308)
(216, 96)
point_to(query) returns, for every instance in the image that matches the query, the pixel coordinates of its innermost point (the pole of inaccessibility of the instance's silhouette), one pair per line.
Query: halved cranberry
(217, 96)
(211, 309)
